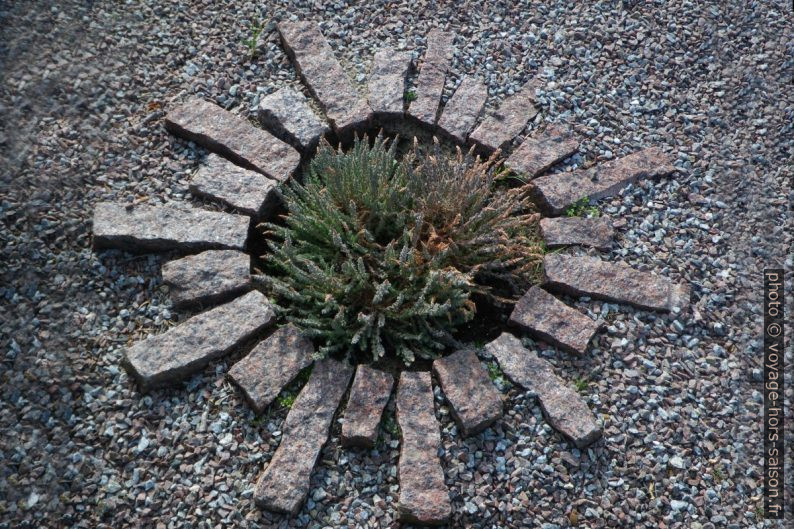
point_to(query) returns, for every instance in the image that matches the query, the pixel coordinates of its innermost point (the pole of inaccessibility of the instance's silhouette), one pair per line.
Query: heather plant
(380, 254)
(488, 231)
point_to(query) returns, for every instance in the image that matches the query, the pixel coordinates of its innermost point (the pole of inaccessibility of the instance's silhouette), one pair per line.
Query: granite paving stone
(271, 365)
(171, 226)
(182, 350)
(323, 75)
(500, 126)
(432, 74)
(369, 395)
(595, 232)
(424, 498)
(386, 85)
(463, 108)
(553, 321)
(562, 406)
(474, 400)
(234, 137)
(247, 191)
(540, 151)
(284, 484)
(207, 278)
(619, 282)
(287, 114)
(559, 190)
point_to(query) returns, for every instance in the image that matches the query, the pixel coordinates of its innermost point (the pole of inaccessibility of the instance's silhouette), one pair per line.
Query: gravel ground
(81, 99)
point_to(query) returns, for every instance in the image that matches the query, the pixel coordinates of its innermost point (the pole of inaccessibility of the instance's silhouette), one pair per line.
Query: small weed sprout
(582, 208)
(390, 425)
(495, 372)
(497, 376)
(252, 42)
(409, 95)
(288, 395)
(286, 400)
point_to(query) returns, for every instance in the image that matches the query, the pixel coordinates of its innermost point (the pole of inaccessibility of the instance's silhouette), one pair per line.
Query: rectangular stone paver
(287, 114)
(596, 232)
(499, 127)
(386, 84)
(424, 498)
(207, 278)
(618, 282)
(191, 345)
(432, 74)
(271, 365)
(474, 400)
(368, 397)
(323, 75)
(563, 407)
(463, 108)
(247, 191)
(539, 152)
(553, 321)
(233, 137)
(560, 190)
(152, 228)
(284, 484)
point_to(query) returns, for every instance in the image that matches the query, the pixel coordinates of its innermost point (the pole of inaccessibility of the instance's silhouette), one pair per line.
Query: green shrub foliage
(381, 254)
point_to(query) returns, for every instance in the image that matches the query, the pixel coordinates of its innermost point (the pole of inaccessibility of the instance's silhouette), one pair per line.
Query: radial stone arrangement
(247, 165)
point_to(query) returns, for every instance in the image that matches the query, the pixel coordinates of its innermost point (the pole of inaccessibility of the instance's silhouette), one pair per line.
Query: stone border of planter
(596, 232)
(245, 173)
(159, 228)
